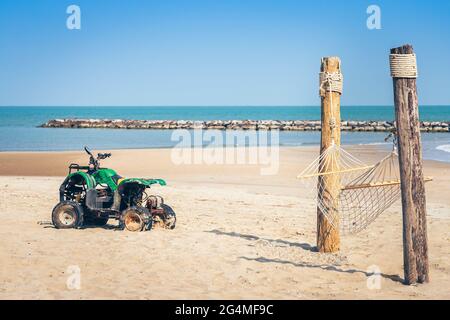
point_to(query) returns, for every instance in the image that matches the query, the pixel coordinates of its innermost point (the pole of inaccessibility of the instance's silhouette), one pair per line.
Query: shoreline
(380, 147)
(55, 163)
(182, 147)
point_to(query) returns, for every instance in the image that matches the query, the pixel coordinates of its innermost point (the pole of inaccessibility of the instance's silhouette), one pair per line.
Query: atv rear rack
(77, 167)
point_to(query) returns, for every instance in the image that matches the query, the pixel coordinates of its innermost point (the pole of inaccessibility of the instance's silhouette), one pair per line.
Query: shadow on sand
(49, 225)
(304, 246)
(395, 278)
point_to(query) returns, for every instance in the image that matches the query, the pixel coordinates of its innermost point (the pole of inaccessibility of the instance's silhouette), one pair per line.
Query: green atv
(91, 195)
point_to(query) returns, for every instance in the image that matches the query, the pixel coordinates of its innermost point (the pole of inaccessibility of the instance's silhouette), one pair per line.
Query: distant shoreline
(244, 125)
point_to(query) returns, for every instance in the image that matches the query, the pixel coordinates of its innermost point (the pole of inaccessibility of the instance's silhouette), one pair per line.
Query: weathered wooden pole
(415, 248)
(328, 238)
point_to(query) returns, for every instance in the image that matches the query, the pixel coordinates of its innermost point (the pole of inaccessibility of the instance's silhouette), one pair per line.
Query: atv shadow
(46, 224)
(49, 225)
(105, 227)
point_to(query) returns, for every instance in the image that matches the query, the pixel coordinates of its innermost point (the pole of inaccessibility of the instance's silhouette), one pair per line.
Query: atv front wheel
(137, 219)
(67, 215)
(169, 218)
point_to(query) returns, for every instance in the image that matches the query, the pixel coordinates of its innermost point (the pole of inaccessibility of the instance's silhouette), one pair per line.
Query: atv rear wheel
(67, 215)
(136, 219)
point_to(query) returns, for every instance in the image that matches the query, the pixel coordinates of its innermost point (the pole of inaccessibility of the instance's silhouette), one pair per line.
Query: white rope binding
(331, 82)
(403, 66)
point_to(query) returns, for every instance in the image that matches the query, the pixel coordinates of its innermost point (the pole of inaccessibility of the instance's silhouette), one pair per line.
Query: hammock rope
(366, 197)
(364, 192)
(403, 66)
(331, 82)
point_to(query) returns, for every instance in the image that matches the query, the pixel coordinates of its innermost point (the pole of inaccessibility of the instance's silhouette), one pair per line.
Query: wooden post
(328, 238)
(415, 248)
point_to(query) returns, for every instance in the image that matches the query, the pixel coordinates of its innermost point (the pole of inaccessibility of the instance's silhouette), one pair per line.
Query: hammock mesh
(349, 193)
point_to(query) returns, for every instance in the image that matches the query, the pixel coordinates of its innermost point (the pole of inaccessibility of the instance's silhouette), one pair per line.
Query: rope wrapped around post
(330, 82)
(403, 66)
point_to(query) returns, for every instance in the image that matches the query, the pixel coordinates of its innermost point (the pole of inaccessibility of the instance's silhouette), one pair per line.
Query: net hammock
(349, 193)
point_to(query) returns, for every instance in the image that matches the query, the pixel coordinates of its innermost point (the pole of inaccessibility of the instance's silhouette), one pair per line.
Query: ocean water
(19, 131)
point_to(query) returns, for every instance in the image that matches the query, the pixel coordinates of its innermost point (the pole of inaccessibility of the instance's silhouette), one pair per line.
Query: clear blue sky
(216, 52)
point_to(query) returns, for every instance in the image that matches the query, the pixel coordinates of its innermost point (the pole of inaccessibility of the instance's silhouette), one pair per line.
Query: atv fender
(143, 182)
(77, 178)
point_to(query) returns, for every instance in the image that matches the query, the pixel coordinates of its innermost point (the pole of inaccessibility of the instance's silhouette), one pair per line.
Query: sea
(19, 129)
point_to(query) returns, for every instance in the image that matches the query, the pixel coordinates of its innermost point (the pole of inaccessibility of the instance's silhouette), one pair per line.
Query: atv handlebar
(102, 156)
(88, 151)
(94, 161)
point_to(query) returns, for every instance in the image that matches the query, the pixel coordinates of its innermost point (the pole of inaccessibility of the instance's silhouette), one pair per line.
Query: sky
(214, 52)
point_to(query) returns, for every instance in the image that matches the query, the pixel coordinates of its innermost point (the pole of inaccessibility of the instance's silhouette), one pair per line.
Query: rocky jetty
(285, 125)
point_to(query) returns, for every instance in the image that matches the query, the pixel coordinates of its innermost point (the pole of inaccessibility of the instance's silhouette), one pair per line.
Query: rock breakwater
(283, 125)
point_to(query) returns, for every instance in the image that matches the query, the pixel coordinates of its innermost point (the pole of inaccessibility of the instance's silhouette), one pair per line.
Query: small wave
(444, 147)
(291, 144)
(374, 144)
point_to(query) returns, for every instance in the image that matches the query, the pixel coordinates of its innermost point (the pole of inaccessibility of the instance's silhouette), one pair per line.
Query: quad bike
(91, 195)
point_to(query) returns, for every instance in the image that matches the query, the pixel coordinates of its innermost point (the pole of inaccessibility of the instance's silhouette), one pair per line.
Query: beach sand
(240, 235)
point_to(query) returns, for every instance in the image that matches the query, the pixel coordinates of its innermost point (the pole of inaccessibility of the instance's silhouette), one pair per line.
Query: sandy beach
(240, 235)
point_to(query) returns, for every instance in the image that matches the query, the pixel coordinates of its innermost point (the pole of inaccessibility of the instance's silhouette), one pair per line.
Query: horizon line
(207, 106)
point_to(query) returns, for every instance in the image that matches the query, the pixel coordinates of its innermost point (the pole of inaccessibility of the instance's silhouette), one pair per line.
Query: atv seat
(96, 200)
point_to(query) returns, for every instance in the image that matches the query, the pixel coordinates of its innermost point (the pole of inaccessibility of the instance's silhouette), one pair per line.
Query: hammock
(349, 193)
